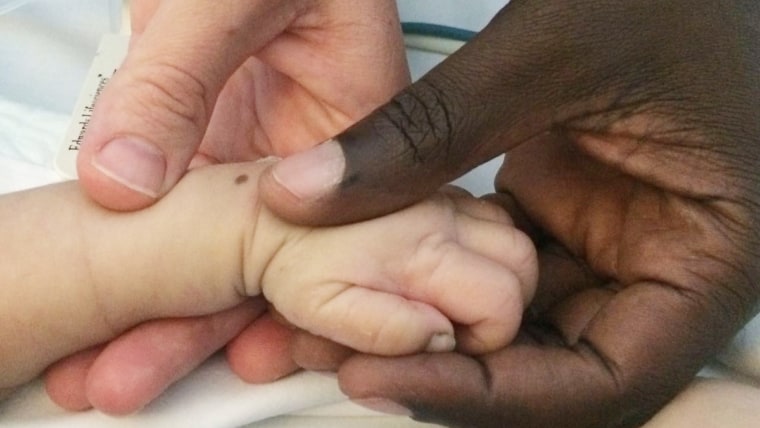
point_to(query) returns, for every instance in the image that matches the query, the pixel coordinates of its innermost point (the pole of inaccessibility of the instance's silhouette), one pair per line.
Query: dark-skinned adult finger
(561, 272)
(594, 376)
(538, 65)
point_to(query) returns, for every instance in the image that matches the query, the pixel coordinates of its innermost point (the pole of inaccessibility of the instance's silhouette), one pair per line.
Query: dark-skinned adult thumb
(528, 71)
(426, 136)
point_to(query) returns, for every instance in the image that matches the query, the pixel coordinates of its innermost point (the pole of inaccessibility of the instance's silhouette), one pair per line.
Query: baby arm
(73, 274)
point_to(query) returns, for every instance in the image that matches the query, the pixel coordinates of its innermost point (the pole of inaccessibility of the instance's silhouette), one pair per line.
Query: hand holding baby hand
(223, 84)
(387, 286)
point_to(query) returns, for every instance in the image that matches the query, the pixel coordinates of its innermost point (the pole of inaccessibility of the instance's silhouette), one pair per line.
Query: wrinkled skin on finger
(632, 135)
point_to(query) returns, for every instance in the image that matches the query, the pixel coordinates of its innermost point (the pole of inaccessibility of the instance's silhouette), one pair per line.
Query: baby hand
(451, 270)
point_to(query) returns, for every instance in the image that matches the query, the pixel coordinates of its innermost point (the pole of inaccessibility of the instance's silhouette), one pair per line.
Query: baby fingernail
(133, 163)
(441, 342)
(311, 174)
(383, 405)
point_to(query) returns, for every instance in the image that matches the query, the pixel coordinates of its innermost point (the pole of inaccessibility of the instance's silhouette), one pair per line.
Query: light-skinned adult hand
(208, 82)
(632, 133)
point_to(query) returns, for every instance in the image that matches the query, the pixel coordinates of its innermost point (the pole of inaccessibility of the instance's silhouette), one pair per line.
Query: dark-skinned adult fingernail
(383, 405)
(311, 174)
(133, 163)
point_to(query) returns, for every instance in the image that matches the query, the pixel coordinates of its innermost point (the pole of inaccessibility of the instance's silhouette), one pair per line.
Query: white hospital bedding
(34, 113)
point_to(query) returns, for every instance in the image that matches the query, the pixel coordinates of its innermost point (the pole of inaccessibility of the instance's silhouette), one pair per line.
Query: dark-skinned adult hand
(207, 82)
(632, 133)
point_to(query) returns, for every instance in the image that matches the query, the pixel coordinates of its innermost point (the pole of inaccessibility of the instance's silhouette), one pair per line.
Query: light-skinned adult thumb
(153, 114)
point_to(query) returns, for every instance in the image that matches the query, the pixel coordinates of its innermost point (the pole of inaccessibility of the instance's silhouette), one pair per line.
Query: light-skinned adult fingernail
(441, 342)
(383, 405)
(311, 174)
(134, 163)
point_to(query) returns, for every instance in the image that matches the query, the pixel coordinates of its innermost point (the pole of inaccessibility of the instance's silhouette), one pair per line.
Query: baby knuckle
(432, 252)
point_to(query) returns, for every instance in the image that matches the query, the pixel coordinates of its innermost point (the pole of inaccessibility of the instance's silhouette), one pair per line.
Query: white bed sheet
(34, 107)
